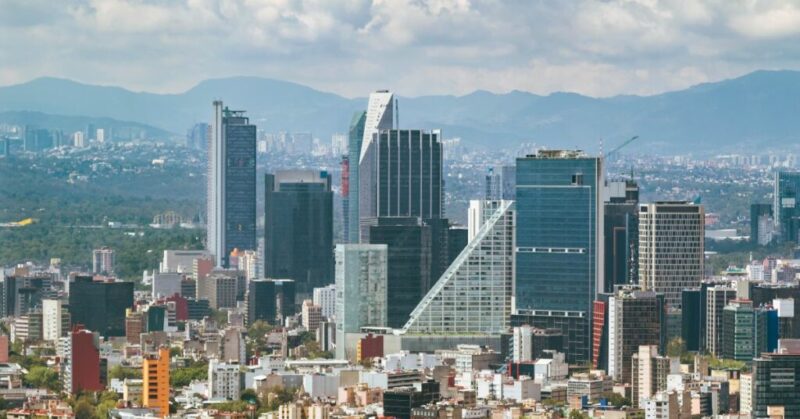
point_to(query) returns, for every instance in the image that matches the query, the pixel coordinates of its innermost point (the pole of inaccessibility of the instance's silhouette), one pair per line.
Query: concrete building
(166, 284)
(311, 315)
(224, 380)
(325, 298)
(220, 287)
(180, 261)
(635, 318)
(671, 246)
(155, 382)
(103, 261)
(649, 373)
(55, 320)
(717, 298)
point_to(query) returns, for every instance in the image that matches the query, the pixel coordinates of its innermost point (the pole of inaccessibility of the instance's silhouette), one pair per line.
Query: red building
(3, 348)
(181, 307)
(82, 368)
(369, 346)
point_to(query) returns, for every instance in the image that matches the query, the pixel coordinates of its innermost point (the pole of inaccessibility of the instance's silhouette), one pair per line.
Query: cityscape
(421, 248)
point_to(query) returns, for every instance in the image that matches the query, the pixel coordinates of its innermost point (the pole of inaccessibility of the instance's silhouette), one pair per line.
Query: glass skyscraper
(786, 208)
(298, 228)
(231, 199)
(355, 137)
(559, 248)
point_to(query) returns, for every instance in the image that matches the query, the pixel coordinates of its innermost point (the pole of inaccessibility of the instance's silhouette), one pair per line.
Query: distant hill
(70, 124)
(753, 113)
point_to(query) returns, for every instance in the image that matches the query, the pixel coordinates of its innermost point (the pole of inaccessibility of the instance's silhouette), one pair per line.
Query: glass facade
(785, 205)
(621, 234)
(100, 306)
(474, 293)
(776, 382)
(261, 301)
(557, 250)
(298, 228)
(356, 134)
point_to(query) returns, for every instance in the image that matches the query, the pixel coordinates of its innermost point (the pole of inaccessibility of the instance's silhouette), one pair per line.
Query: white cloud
(412, 46)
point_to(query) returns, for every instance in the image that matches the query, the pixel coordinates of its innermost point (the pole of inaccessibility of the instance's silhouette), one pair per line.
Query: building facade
(155, 382)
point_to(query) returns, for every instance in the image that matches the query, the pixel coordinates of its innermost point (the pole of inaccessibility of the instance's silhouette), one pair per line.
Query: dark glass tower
(401, 176)
(559, 258)
(261, 301)
(409, 264)
(621, 234)
(356, 134)
(786, 205)
(298, 228)
(231, 184)
(100, 306)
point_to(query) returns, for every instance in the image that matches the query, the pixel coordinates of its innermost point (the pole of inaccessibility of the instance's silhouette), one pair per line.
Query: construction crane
(614, 151)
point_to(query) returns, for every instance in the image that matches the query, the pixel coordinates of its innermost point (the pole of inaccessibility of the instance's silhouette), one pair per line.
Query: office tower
(400, 401)
(786, 299)
(400, 175)
(197, 136)
(380, 115)
(249, 262)
(224, 380)
(298, 206)
(311, 315)
(409, 264)
(78, 140)
(492, 185)
(325, 297)
(345, 190)
(103, 261)
(635, 318)
(474, 295)
(738, 329)
(361, 277)
(27, 327)
(5, 147)
(529, 344)
(786, 210)
(762, 224)
(509, 182)
(621, 233)
(648, 373)
(100, 305)
(691, 319)
(287, 297)
(23, 294)
(36, 139)
(231, 184)
(776, 382)
(155, 382)
(80, 368)
(559, 258)
(261, 301)
(355, 136)
(671, 238)
(220, 288)
(717, 298)
(55, 320)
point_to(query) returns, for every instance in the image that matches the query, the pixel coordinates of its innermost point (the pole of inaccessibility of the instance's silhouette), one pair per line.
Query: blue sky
(415, 47)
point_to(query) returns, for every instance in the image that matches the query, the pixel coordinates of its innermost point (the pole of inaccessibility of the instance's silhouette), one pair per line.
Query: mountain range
(754, 113)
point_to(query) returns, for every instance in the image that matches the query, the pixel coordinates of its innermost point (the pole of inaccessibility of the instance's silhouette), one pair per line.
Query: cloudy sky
(415, 47)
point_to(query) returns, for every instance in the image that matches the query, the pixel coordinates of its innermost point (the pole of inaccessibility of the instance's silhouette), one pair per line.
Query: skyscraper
(671, 238)
(298, 228)
(776, 382)
(786, 208)
(762, 224)
(361, 276)
(635, 318)
(231, 184)
(621, 233)
(409, 263)
(717, 298)
(355, 136)
(81, 364)
(559, 249)
(103, 261)
(400, 175)
(261, 301)
(473, 296)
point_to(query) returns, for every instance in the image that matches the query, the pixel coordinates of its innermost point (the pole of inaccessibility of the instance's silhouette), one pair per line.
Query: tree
(616, 399)
(676, 347)
(119, 372)
(84, 410)
(181, 377)
(249, 396)
(577, 414)
(42, 377)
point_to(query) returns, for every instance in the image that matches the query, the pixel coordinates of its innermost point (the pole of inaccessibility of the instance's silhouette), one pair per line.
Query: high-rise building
(400, 175)
(311, 315)
(355, 137)
(100, 305)
(776, 382)
(345, 192)
(717, 298)
(103, 261)
(691, 319)
(671, 240)
(409, 258)
(325, 297)
(55, 320)
(221, 288)
(361, 284)
(155, 382)
(197, 136)
(786, 299)
(559, 247)
(261, 301)
(299, 228)
(635, 318)
(493, 185)
(474, 294)
(80, 368)
(762, 224)
(231, 184)
(747, 331)
(621, 233)
(287, 297)
(786, 208)
(224, 380)
(648, 373)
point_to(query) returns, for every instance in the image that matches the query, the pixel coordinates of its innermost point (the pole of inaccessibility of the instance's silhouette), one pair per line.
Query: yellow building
(155, 382)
